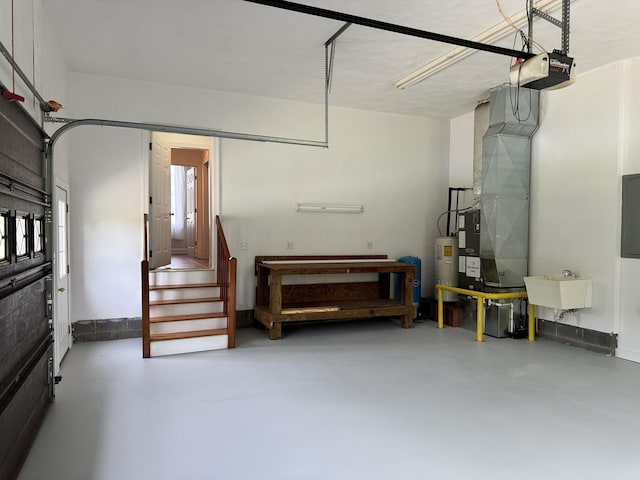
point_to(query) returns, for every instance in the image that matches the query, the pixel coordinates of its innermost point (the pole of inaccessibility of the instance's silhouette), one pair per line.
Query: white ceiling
(237, 46)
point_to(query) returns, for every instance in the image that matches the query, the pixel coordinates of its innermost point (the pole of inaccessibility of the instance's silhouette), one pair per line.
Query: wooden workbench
(278, 303)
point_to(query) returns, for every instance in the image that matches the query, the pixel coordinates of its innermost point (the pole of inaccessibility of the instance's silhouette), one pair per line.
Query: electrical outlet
(244, 245)
(290, 245)
(369, 245)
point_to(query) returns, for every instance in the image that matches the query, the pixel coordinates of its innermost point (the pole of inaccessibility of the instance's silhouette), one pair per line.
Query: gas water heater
(447, 265)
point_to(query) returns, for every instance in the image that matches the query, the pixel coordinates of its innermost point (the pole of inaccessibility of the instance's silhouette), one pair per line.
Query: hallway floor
(185, 261)
(363, 400)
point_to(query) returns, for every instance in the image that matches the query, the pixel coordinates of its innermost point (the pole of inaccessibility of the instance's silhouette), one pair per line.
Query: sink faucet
(568, 273)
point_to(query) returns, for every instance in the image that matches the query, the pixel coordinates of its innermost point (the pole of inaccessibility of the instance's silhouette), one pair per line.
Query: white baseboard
(628, 355)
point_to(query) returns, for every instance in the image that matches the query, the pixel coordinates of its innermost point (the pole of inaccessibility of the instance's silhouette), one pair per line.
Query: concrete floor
(364, 400)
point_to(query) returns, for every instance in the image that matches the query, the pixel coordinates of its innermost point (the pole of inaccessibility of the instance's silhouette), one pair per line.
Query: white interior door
(191, 212)
(62, 324)
(159, 202)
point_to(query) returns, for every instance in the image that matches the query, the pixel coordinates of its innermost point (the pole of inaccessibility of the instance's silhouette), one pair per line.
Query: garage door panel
(26, 353)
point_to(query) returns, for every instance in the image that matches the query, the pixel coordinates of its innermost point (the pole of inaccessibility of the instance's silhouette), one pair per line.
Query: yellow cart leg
(532, 322)
(479, 315)
(440, 309)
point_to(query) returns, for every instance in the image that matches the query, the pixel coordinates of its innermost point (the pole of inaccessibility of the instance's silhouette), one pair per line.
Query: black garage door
(26, 353)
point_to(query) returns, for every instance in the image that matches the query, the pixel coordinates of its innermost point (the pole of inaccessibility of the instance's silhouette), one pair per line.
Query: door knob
(61, 289)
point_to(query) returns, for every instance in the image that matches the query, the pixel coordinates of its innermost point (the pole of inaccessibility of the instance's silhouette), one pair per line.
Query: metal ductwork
(480, 126)
(504, 197)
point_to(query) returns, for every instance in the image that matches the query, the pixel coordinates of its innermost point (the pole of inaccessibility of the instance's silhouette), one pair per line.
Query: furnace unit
(469, 269)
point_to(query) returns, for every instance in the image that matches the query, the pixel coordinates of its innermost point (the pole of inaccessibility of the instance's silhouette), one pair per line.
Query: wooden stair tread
(184, 285)
(184, 300)
(159, 337)
(180, 318)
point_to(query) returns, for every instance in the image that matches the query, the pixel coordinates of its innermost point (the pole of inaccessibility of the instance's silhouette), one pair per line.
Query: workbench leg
(275, 331)
(406, 297)
(532, 322)
(479, 318)
(440, 310)
(275, 294)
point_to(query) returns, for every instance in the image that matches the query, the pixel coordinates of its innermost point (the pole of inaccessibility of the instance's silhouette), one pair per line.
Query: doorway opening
(183, 198)
(62, 327)
(190, 239)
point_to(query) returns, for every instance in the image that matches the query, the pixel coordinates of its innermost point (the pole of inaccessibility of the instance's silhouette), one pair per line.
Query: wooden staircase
(189, 310)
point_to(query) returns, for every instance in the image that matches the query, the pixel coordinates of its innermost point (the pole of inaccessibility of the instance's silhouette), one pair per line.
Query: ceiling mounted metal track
(70, 123)
(390, 27)
(329, 57)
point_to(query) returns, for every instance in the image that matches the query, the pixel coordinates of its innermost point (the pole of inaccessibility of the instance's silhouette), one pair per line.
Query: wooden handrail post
(145, 253)
(146, 334)
(144, 275)
(231, 301)
(227, 276)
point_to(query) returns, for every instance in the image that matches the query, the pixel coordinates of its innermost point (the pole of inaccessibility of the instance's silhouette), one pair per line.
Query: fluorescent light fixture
(325, 208)
(489, 36)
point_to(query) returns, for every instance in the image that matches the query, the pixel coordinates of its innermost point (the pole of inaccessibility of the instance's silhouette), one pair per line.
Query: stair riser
(187, 345)
(189, 325)
(184, 293)
(185, 309)
(181, 277)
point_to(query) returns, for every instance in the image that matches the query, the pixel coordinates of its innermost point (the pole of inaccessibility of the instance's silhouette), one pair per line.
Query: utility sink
(559, 291)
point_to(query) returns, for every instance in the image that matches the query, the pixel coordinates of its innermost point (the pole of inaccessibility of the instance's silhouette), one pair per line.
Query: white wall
(587, 139)
(629, 336)
(106, 223)
(51, 81)
(461, 148)
(394, 165)
(575, 190)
